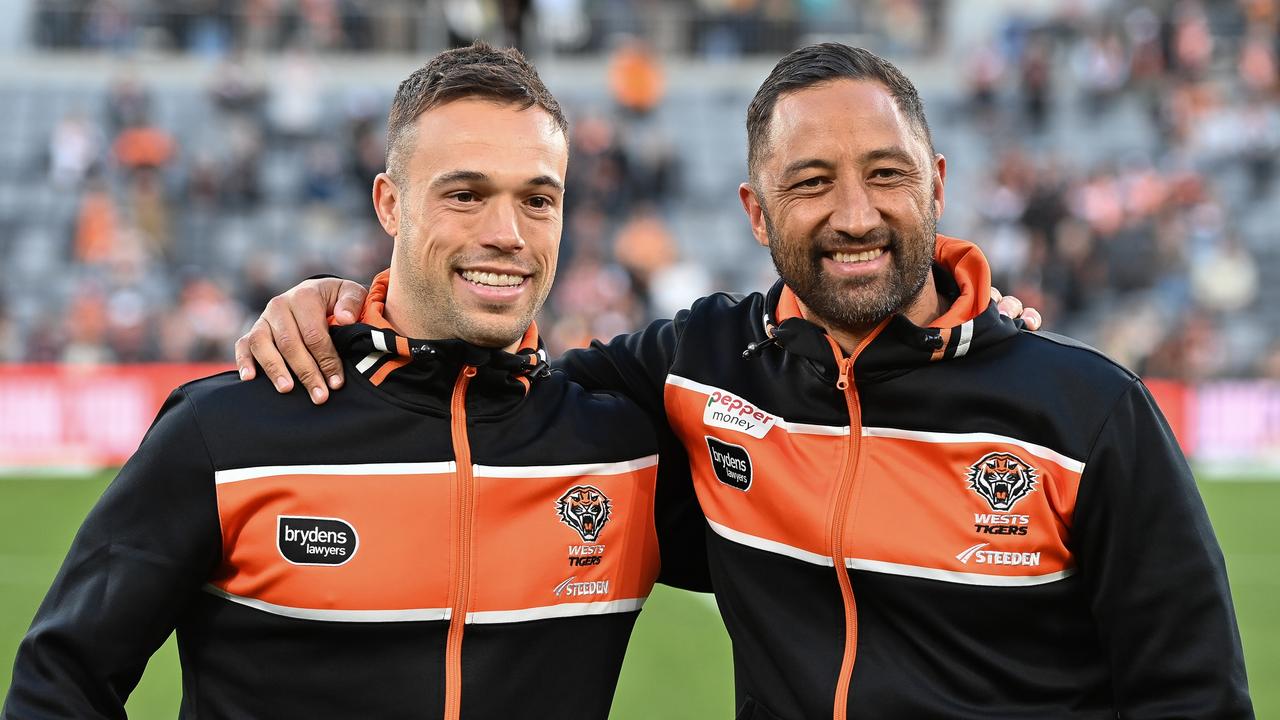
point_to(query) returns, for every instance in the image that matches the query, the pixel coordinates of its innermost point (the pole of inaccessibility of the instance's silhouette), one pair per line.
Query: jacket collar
(423, 372)
(972, 322)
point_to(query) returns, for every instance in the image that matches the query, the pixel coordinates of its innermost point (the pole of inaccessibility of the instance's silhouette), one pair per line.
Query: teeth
(491, 279)
(864, 256)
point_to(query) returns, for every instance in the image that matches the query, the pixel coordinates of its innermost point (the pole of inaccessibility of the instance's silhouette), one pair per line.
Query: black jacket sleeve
(636, 366)
(146, 547)
(1155, 574)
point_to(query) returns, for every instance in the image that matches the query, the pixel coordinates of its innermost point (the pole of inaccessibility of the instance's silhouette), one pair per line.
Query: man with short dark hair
(446, 539)
(914, 508)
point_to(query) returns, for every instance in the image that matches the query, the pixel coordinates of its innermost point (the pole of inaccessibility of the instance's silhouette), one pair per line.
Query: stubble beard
(440, 310)
(855, 304)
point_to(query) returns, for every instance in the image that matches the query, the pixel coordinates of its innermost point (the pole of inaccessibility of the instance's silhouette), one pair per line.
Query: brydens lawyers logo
(731, 463)
(726, 410)
(315, 540)
(585, 509)
(1002, 479)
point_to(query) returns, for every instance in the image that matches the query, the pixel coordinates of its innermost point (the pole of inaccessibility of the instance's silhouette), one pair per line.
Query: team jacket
(459, 533)
(959, 521)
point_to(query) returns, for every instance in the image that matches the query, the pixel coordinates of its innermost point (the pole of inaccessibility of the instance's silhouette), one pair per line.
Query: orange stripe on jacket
(521, 545)
(915, 506)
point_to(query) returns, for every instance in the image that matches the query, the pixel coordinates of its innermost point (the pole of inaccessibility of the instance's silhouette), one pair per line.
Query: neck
(927, 306)
(410, 321)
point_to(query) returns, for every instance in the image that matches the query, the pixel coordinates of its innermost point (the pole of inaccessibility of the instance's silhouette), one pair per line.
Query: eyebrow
(806, 164)
(884, 153)
(455, 176)
(890, 153)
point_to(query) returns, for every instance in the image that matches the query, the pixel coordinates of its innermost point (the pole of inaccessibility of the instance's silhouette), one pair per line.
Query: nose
(501, 227)
(855, 214)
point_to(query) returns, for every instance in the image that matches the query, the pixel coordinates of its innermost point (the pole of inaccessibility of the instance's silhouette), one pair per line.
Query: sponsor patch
(728, 411)
(1002, 479)
(570, 588)
(585, 509)
(997, 557)
(315, 540)
(731, 463)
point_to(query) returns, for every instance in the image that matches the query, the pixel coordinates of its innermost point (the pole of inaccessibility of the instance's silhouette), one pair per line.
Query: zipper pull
(846, 372)
(469, 371)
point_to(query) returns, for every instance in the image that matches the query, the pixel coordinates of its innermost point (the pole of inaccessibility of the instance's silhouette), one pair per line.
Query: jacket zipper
(844, 495)
(462, 547)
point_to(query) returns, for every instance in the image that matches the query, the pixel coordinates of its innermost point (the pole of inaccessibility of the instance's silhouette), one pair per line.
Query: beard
(855, 303)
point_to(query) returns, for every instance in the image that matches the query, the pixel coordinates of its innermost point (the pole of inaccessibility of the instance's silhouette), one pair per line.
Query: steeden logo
(997, 557)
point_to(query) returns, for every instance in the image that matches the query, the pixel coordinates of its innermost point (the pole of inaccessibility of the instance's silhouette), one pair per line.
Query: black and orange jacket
(958, 521)
(459, 533)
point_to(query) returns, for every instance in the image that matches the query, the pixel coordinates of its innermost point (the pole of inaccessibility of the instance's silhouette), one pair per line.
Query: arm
(148, 545)
(1155, 574)
(636, 366)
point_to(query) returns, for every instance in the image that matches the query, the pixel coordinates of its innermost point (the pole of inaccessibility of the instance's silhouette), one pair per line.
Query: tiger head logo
(585, 509)
(1002, 479)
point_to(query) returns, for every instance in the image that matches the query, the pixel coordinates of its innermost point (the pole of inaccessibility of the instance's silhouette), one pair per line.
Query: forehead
(839, 117)
(490, 137)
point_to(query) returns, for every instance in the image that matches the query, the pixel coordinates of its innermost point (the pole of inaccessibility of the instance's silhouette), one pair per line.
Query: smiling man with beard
(914, 508)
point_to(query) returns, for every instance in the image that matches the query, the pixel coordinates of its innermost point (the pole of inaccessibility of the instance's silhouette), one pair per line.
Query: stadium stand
(1116, 164)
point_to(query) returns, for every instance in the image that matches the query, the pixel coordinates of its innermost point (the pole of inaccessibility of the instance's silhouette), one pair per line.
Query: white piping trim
(369, 360)
(407, 615)
(252, 473)
(952, 576)
(485, 617)
(379, 340)
(918, 435)
(966, 335)
(544, 471)
(946, 438)
(887, 568)
(772, 546)
(791, 427)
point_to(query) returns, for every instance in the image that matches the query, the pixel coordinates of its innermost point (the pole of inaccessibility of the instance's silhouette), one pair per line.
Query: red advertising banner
(85, 417)
(81, 416)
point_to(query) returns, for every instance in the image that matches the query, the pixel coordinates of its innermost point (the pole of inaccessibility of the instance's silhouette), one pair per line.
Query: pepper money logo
(315, 540)
(1002, 479)
(585, 509)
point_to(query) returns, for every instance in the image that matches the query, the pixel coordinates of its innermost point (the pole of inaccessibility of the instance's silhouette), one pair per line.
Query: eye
(810, 183)
(540, 202)
(464, 196)
(886, 173)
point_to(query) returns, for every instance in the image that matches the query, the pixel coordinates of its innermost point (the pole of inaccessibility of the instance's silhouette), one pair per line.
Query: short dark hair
(821, 63)
(478, 70)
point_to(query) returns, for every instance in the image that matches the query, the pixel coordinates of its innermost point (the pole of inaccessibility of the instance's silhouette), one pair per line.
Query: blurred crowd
(711, 28)
(1123, 182)
(1156, 249)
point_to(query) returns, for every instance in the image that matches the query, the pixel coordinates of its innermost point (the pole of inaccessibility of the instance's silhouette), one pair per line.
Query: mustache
(836, 240)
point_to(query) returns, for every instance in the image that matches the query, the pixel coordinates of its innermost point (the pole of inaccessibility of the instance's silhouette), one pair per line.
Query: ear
(386, 203)
(939, 184)
(755, 213)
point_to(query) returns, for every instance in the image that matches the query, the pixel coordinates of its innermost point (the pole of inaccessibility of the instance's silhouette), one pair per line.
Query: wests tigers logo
(1002, 479)
(585, 509)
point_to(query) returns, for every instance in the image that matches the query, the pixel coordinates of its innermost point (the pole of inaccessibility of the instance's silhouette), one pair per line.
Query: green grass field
(678, 663)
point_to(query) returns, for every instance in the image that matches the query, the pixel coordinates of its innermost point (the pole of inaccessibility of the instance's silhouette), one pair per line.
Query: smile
(858, 257)
(491, 279)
